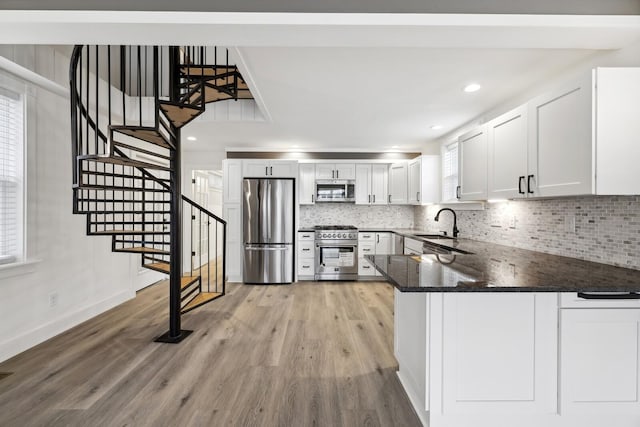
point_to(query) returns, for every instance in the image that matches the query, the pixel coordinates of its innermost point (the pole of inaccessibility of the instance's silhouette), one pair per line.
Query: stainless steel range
(336, 252)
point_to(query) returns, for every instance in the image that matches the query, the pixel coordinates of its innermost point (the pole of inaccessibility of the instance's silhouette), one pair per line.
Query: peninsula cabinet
(372, 182)
(472, 165)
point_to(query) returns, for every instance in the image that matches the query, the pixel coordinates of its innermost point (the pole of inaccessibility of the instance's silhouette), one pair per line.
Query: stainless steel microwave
(335, 191)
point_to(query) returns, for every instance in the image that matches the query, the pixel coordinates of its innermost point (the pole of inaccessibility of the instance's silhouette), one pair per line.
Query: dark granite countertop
(496, 268)
(306, 230)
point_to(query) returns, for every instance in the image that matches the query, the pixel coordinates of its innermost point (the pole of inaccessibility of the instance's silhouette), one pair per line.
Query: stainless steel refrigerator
(268, 218)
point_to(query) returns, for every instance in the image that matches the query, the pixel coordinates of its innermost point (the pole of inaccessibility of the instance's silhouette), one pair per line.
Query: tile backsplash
(357, 215)
(600, 229)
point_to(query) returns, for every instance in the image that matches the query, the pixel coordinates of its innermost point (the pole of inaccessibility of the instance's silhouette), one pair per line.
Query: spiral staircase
(128, 105)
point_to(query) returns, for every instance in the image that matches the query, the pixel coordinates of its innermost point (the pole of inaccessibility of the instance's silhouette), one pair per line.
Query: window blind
(450, 172)
(11, 176)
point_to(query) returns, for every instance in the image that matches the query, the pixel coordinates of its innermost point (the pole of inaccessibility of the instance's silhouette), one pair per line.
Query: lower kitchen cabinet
(232, 213)
(370, 243)
(306, 255)
(600, 365)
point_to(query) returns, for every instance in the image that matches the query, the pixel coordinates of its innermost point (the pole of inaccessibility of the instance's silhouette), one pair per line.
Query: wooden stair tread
(143, 250)
(206, 70)
(186, 281)
(105, 158)
(159, 266)
(179, 115)
(148, 134)
(200, 299)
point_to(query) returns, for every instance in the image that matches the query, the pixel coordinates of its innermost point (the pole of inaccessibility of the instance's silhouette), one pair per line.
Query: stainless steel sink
(433, 236)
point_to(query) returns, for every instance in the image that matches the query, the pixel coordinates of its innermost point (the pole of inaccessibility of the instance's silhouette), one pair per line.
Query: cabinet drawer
(306, 249)
(366, 249)
(415, 246)
(365, 268)
(306, 267)
(367, 237)
(597, 300)
(305, 235)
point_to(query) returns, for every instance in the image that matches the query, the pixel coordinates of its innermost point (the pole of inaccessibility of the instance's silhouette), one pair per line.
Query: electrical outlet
(512, 221)
(53, 299)
(570, 223)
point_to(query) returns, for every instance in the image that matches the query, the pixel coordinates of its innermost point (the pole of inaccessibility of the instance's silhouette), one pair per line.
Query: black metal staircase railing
(128, 104)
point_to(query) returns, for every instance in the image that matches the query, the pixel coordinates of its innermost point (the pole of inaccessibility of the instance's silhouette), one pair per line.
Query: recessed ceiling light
(192, 138)
(436, 127)
(472, 87)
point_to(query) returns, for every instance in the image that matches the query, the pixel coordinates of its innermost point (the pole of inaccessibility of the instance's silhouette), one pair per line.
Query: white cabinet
(472, 165)
(398, 183)
(370, 243)
(499, 354)
(412, 246)
(260, 168)
(424, 180)
(306, 255)
(372, 184)
(600, 375)
(306, 183)
(232, 213)
(335, 171)
(507, 160)
(232, 181)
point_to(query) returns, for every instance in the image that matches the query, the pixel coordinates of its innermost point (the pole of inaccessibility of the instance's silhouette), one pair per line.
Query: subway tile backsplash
(600, 229)
(357, 215)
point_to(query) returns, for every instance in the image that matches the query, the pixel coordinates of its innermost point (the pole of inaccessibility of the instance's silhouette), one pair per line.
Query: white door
(560, 141)
(199, 223)
(307, 183)
(363, 184)
(325, 171)
(345, 171)
(600, 357)
(472, 164)
(255, 168)
(414, 189)
(398, 184)
(507, 167)
(499, 354)
(379, 184)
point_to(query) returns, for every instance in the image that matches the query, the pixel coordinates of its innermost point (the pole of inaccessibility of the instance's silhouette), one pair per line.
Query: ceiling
(375, 98)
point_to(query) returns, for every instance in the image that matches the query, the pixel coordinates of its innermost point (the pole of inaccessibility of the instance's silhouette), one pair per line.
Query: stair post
(175, 334)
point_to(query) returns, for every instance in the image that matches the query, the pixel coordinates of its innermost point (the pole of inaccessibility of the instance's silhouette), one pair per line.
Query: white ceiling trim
(319, 29)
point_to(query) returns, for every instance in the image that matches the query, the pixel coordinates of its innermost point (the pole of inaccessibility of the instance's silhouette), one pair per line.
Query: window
(449, 172)
(11, 177)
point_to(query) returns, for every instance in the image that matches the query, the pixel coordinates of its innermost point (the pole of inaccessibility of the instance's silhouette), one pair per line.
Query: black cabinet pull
(266, 170)
(312, 198)
(630, 295)
(520, 179)
(389, 198)
(271, 170)
(529, 184)
(333, 174)
(378, 236)
(369, 198)
(457, 192)
(418, 196)
(374, 198)
(338, 174)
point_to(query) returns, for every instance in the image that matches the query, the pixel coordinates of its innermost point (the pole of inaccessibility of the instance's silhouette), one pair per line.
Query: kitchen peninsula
(490, 335)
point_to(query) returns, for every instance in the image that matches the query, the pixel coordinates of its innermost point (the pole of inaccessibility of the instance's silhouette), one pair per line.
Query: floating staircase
(128, 105)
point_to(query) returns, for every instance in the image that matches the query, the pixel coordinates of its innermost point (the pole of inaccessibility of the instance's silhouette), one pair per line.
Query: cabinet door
(472, 165)
(283, 169)
(599, 358)
(398, 184)
(232, 181)
(507, 167)
(414, 181)
(325, 171)
(379, 184)
(232, 213)
(383, 246)
(365, 268)
(307, 183)
(345, 171)
(500, 353)
(560, 141)
(255, 168)
(363, 184)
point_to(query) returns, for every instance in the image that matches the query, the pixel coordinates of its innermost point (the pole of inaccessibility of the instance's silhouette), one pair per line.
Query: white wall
(86, 276)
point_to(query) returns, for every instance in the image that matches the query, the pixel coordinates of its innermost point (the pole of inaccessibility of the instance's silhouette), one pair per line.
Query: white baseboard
(415, 401)
(42, 333)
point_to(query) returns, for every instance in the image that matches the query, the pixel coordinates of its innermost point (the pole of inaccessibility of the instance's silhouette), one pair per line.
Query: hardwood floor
(307, 354)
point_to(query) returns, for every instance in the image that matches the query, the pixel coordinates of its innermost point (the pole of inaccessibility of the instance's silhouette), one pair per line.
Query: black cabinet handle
(337, 174)
(520, 179)
(333, 174)
(271, 170)
(457, 192)
(418, 196)
(312, 198)
(369, 198)
(266, 170)
(529, 184)
(630, 295)
(389, 198)
(374, 198)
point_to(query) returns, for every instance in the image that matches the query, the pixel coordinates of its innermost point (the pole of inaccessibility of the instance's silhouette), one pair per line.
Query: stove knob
(334, 235)
(344, 236)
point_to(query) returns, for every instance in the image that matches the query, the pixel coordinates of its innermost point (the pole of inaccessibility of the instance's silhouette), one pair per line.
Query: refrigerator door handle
(265, 248)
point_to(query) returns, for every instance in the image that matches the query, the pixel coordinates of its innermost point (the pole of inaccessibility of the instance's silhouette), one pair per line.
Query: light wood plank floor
(307, 354)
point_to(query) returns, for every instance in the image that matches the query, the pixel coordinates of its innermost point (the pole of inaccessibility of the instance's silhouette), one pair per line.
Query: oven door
(336, 260)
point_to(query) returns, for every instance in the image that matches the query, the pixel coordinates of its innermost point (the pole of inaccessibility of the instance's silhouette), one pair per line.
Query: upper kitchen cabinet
(232, 180)
(398, 183)
(307, 183)
(335, 171)
(472, 164)
(595, 116)
(424, 180)
(507, 162)
(372, 184)
(260, 168)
